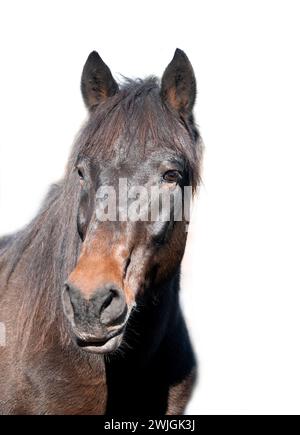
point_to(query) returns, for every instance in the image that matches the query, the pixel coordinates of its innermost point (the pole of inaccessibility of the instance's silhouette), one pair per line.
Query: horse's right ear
(97, 82)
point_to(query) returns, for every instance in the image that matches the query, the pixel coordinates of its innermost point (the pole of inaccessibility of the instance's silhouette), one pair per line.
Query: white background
(241, 270)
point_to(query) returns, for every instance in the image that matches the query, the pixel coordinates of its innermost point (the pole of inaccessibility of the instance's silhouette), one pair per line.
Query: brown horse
(91, 305)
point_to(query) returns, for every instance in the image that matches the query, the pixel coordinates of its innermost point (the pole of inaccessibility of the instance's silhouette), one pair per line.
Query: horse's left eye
(172, 176)
(80, 174)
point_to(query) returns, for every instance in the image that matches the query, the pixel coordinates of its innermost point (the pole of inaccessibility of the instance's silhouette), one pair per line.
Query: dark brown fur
(42, 371)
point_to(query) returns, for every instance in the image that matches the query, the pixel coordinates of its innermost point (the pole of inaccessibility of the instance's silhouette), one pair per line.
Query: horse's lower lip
(96, 343)
(99, 344)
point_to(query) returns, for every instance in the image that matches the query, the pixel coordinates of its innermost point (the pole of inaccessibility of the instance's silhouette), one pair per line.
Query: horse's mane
(46, 250)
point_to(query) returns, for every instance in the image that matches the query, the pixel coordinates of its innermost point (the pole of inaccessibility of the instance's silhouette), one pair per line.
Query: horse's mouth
(102, 345)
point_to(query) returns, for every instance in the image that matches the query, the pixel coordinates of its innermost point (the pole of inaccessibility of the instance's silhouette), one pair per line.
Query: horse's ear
(178, 85)
(97, 82)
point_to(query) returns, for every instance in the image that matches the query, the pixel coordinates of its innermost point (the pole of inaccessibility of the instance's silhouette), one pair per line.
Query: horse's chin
(100, 345)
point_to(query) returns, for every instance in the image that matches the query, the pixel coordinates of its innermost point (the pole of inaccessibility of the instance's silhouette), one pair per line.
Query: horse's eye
(172, 176)
(80, 174)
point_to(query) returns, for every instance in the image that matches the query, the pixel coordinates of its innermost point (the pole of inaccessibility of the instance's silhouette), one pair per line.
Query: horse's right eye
(80, 174)
(172, 176)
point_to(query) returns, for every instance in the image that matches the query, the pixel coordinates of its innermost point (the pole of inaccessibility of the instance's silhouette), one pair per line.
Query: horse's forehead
(140, 162)
(129, 169)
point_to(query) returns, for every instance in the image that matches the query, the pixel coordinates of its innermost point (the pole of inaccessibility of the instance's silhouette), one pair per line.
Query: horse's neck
(34, 265)
(151, 321)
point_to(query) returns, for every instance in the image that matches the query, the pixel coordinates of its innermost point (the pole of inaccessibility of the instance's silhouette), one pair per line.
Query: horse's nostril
(108, 300)
(67, 303)
(112, 306)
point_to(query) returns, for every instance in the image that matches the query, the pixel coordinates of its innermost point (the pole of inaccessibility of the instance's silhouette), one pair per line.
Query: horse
(93, 322)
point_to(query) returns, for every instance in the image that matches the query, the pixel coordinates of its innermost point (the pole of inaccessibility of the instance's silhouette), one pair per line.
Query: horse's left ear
(178, 85)
(97, 82)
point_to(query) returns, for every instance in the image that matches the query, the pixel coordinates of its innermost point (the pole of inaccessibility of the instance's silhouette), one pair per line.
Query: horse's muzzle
(98, 322)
